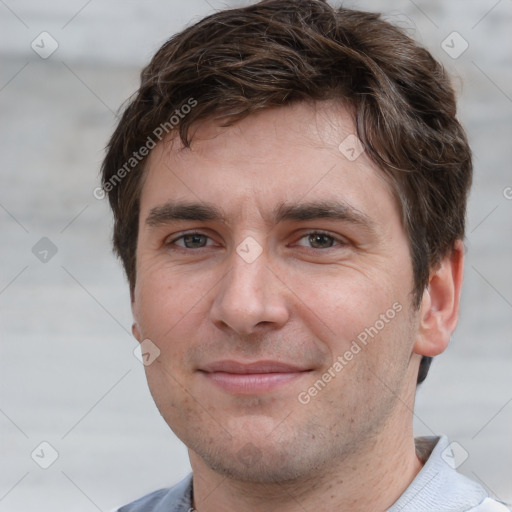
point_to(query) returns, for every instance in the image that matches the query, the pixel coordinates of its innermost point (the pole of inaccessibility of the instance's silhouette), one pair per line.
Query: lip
(230, 366)
(251, 378)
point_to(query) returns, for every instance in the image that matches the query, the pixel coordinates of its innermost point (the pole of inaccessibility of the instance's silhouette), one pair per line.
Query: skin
(302, 301)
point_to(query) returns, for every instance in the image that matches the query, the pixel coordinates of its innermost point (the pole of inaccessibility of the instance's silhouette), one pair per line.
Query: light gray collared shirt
(438, 487)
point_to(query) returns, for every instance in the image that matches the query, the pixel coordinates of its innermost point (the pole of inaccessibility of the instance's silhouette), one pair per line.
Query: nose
(250, 297)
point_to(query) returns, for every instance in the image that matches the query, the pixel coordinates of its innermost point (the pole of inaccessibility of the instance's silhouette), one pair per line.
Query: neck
(371, 479)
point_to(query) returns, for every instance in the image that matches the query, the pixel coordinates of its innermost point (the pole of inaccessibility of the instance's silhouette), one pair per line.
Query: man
(289, 189)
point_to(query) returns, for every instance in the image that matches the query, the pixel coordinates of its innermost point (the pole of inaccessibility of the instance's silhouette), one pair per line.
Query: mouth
(251, 378)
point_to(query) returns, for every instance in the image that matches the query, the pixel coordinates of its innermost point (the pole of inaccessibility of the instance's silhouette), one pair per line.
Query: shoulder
(490, 505)
(173, 499)
(440, 487)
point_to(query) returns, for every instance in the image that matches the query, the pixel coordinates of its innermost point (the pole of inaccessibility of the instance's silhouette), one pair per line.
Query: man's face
(307, 267)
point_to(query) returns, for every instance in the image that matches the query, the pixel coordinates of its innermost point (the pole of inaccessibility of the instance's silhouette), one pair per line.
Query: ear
(135, 314)
(136, 332)
(439, 309)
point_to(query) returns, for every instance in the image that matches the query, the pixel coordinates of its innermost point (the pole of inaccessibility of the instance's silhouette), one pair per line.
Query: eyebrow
(323, 210)
(169, 212)
(299, 212)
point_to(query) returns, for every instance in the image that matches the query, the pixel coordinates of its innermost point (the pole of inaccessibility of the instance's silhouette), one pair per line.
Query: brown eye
(190, 241)
(194, 241)
(320, 240)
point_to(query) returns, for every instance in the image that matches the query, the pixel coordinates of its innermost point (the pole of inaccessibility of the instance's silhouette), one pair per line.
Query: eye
(320, 240)
(190, 241)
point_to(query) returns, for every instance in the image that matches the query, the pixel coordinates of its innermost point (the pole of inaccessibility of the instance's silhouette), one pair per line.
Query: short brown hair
(276, 52)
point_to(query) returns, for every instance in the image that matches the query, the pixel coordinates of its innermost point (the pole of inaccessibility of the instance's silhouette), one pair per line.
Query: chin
(263, 461)
(268, 469)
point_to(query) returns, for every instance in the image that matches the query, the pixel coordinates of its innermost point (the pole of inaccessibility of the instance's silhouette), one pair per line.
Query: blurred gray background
(68, 374)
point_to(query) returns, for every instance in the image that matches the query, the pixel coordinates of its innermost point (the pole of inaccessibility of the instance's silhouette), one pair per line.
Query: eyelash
(336, 240)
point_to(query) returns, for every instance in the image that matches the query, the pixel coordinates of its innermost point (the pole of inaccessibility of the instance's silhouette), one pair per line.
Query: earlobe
(136, 332)
(439, 310)
(135, 326)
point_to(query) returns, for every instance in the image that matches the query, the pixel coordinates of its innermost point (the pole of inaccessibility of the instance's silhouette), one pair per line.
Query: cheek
(165, 301)
(338, 306)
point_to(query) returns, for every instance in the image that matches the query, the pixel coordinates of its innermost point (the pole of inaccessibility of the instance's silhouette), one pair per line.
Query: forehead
(304, 152)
